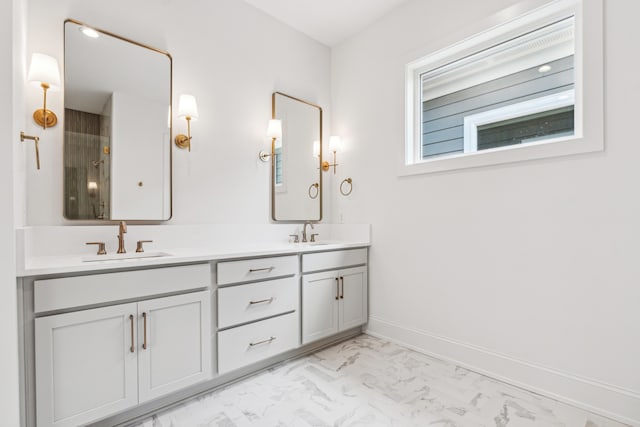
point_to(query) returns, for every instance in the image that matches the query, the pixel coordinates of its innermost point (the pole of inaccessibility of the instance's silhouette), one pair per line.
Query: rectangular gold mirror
(296, 177)
(117, 127)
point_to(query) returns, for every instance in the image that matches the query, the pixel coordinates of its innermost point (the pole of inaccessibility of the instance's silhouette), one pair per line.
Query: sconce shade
(274, 129)
(44, 69)
(187, 107)
(316, 148)
(335, 144)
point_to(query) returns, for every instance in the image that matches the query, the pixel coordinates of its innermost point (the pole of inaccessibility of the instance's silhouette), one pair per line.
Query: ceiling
(327, 21)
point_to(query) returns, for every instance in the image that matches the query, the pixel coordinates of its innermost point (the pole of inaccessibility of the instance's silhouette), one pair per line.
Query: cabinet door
(174, 343)
(353, 298)
(86, 367)
(319, 305)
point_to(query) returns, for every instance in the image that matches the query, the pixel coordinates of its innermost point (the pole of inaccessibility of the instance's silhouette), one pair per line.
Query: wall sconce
(44, 72)
(274, 131)
(334, 145)
(187, 109)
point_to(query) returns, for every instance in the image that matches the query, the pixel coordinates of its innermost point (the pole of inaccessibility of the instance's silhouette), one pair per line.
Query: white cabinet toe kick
(104, 349)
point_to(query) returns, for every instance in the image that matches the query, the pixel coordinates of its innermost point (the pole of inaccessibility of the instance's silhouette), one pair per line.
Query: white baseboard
(594, 396)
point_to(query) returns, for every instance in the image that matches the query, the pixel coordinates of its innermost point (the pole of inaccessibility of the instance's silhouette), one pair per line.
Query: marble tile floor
(370, 382)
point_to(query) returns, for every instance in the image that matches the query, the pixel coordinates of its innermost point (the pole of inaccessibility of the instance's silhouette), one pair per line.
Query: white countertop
(47, 265)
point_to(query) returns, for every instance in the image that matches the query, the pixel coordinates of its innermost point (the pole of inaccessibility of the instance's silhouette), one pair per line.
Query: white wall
(529, 271)
(11, 20)
(225, 52)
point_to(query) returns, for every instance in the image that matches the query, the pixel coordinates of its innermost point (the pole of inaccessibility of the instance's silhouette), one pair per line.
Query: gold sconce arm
(36, 139)
(326, 165)
(274, 131)
(182, 140)
(42, 116)
(187, 108)
(264, 155)
(335, 144)
(44, 72)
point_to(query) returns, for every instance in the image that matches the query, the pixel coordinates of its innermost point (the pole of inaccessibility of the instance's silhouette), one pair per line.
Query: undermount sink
(316, 243)
(133, 255)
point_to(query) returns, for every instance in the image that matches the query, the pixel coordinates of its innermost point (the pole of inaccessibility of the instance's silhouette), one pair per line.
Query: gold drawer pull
(262, 301)
(133, 345)
(144, 344)
(256, 270)
(253, 344)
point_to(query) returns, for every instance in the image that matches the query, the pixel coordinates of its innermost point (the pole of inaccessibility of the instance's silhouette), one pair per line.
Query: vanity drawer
(244, 345)
(334, 259)
(256, 269)
(253, 301)
(69, 292)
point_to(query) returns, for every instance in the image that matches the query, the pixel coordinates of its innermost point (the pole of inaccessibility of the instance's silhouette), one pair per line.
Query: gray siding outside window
(443, 117)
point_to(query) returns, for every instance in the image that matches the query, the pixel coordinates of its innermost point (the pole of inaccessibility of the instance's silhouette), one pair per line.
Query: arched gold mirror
(296, 177)
(117, 127)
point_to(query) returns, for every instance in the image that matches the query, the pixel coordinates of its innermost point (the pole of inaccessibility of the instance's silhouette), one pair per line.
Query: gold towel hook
(346, 181)
(313, 194)
(36, 139)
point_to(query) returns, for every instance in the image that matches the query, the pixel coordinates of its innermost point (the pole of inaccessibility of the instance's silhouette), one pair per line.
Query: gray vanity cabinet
(92, 363)
(259, 319)
(334, 300)
(85, 369)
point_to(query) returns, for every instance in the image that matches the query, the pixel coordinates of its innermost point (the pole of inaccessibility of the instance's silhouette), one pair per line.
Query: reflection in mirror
(296, 178)
(117, 127)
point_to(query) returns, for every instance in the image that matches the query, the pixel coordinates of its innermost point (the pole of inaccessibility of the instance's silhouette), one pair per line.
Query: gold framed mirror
(296, 176)
(117, 127)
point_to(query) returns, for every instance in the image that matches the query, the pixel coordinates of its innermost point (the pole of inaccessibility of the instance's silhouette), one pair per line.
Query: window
(513, 92)
(278, 167)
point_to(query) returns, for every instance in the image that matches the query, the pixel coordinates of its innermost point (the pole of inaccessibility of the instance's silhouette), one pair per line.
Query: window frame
(514, 111)
(521, 18)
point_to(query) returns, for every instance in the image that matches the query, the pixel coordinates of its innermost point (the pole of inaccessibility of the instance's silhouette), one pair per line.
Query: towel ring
(348, 181)
(314, 194)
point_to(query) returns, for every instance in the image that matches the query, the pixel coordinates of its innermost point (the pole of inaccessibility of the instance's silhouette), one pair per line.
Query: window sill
(510, 154)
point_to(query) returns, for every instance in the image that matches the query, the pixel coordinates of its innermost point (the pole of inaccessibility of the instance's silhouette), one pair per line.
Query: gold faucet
(304, 230)
(121, 230)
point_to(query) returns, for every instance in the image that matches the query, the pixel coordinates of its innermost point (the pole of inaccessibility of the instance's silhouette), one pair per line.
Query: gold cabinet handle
(268, 340)
(262, 301)
(133, 345)
(337, 288)
(144, 343)
(342, 292)
(256, 270)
